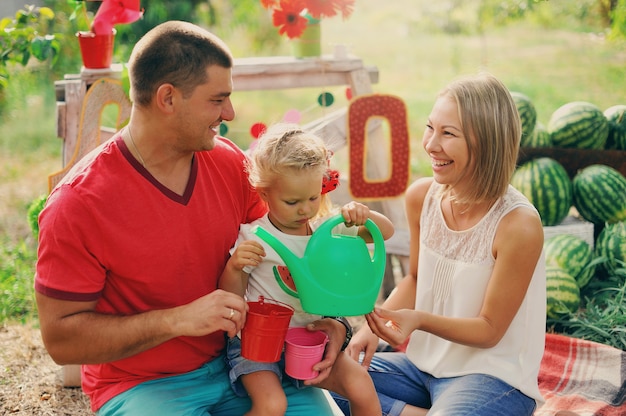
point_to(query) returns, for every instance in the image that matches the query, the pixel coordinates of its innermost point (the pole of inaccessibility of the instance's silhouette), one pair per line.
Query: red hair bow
(330, 182)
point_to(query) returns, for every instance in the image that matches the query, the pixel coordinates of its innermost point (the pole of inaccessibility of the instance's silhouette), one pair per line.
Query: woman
(473, 303)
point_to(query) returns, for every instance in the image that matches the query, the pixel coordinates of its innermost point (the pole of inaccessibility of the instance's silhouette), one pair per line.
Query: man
(134, 238)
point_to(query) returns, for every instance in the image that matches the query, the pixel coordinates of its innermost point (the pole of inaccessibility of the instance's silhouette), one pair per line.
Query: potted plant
(98, 35)
(300, 20)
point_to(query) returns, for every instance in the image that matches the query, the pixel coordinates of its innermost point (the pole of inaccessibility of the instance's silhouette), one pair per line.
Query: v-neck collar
(181, 199)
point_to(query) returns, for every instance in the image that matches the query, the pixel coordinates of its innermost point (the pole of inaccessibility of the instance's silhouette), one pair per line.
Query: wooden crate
(572, 225)
(576, 159)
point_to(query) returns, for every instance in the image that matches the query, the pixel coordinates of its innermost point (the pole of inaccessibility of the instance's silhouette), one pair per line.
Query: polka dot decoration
(257, 129)
(223, 129)
(292, 116)
(325, 99)
(393, 109)
(349, 93)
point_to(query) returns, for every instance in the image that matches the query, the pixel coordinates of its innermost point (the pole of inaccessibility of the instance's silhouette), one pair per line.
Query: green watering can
(336, 276)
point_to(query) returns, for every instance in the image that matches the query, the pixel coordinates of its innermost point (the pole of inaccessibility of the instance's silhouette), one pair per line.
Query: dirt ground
(30, 382)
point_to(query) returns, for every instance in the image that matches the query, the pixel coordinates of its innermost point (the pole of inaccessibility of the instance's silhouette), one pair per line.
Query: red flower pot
(96, 50)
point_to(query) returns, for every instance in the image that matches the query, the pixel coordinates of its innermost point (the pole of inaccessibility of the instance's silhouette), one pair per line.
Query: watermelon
(539, 138)
(600, 194)
(527, 115)
(580, 125)
(611, 244)
(562, 293)
(546, 184)
(572, 254)
(617, 127)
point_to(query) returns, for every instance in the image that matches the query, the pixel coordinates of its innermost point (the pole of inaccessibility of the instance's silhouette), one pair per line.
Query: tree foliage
(27, 34)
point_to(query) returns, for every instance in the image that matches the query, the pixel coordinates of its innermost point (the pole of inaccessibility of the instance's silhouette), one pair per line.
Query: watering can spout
(294, 263)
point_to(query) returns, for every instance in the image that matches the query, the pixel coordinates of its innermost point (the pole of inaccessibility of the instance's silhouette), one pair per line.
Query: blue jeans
(240, 366)
(399, 382)
(204, 392)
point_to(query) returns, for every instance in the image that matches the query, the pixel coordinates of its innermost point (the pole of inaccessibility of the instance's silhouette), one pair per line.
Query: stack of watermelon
(580, 125)
(569, 268)
(546, 184)
(617, 127)
(600, 194)
(577, 124)
(611, 249)
(574, 268)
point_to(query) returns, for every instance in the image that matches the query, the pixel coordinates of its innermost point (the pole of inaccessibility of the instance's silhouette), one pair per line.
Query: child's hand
(355, 213)
(247, 253)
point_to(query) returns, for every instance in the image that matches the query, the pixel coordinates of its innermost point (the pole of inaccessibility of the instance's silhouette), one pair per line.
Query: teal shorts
(205, 391)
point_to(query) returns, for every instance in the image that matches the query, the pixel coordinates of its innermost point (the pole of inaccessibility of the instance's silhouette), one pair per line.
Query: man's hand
(336, 332)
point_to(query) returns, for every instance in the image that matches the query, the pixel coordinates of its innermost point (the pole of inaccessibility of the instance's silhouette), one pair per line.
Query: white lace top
(454, 268)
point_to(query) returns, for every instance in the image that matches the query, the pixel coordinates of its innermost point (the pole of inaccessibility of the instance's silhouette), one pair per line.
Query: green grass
(29, 151)
(415, 60)
(16, 275)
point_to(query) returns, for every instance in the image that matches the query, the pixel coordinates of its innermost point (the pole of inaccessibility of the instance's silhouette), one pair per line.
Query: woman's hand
(392, 326)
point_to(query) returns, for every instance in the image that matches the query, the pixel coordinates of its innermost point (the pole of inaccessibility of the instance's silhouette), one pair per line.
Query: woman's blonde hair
(284, 148)
(492, 128)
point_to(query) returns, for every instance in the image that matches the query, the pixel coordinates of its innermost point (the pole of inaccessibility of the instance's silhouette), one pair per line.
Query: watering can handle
(379, 242)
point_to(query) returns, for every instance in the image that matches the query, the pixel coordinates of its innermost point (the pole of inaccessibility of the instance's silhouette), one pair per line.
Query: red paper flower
(112, 12)
(288, 18)
(292, 16)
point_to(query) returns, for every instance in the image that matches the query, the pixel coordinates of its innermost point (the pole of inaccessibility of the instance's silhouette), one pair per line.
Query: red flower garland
(290, 16)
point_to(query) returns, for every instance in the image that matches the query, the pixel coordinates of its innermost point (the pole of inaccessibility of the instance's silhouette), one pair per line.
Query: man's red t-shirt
(111, 233)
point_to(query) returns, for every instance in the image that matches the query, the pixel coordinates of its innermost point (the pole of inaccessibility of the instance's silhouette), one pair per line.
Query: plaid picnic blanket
(583, 377)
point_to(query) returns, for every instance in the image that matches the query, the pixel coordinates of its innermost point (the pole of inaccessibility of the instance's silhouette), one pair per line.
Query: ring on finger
(232, 313)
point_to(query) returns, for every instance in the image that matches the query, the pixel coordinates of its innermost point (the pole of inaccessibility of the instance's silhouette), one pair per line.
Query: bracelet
(345, 323)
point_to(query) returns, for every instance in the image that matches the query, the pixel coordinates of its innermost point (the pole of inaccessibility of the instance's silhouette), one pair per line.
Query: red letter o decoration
(361, 109)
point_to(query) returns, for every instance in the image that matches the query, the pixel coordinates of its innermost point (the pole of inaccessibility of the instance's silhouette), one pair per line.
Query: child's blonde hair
(284, 148)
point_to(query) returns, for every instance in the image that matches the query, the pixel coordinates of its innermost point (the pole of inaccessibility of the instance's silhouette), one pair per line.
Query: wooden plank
(61, 117)
(74, 93)
(287, 64)
(283, 72)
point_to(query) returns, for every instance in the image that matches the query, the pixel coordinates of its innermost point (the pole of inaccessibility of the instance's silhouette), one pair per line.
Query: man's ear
(165, 97)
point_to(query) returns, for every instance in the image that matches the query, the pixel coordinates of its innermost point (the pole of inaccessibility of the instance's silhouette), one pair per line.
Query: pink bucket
(303, 349)
(263, 335)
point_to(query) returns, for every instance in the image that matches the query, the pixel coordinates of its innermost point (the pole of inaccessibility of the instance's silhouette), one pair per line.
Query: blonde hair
(284, 148)
(492, 127)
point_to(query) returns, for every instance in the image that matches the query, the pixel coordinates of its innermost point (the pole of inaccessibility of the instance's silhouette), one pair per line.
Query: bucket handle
(262, 299)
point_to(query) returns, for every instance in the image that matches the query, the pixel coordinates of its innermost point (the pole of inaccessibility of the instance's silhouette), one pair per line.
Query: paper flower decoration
(291, 17)
(113, 12)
